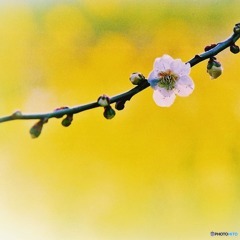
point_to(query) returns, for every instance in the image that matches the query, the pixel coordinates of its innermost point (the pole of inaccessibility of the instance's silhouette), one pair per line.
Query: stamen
(167, 79)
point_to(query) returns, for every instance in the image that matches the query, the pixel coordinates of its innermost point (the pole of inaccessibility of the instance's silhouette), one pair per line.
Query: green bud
(109, 113)
(136, 78)
(120, 105)
(234, 49)
(36, 129)
(214, 69)
(66, 122)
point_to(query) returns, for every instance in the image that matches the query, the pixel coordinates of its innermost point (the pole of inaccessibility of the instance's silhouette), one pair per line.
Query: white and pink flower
(170, 77)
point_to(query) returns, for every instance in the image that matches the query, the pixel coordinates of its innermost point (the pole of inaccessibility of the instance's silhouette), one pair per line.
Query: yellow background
(150, 173)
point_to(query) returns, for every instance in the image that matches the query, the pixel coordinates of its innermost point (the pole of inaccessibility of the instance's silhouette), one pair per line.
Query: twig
(60, 112)
(121, 98)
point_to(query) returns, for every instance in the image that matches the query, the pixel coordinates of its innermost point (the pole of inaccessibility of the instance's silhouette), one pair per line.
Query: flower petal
(165, 92)
(185, 80)
(163, 98)
(185, 70)
(176, 66)
(180, 67)
(163, 63)
(184, 86)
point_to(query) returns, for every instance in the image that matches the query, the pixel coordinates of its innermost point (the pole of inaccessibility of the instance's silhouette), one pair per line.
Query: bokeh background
(150, 173)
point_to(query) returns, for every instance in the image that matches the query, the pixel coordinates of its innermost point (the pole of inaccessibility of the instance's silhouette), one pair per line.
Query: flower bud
(109, 113)
(209, 47)
(103, 100)
(234, 49)
(120, 105)
(136, 78)
(214, 69)
(237, 28)
(16, 114)
(66, 122)
(36, 129)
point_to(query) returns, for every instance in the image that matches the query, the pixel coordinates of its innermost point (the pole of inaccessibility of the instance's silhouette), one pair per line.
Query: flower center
(167, 79)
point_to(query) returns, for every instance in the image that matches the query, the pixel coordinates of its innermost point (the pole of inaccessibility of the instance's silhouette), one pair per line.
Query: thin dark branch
(214, 51)
(66, 111)
(122, 97)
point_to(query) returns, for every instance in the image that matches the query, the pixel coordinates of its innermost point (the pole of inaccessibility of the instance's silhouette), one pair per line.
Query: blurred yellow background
(150, 173)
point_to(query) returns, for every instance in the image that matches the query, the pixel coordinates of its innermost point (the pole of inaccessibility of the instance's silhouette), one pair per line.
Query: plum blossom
(170, 77)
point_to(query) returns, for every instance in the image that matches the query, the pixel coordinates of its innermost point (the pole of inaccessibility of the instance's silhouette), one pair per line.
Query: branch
(230, 42)
(60, 112)
(120, 99)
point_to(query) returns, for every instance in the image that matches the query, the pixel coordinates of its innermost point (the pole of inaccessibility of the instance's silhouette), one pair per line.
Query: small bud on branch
(236, 29)
(209, 47)
(234, 49)
(66, 122)
(109, 113)
(103, 100)
(17, 114)
(36, 129)
(120, 105)
(136, 78)
(214, 68)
